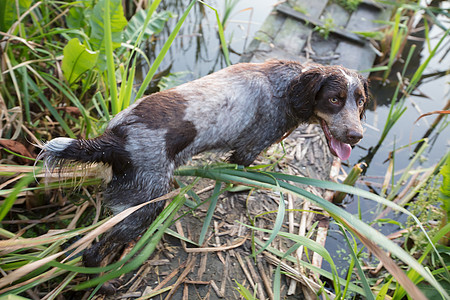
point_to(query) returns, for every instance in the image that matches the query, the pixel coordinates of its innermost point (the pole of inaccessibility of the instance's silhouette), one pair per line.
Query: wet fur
(242, 109)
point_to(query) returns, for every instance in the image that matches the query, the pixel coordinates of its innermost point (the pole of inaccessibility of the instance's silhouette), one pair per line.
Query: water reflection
(197, 48)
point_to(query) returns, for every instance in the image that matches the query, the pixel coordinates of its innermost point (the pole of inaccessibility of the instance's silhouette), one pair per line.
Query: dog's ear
(303, 90)
(367, 96)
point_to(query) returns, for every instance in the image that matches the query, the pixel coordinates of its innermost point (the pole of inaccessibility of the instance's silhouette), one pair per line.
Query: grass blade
(363, 231)
(368, 292)
(9, 201)
(221, 34)
(163, 52)
(212, 207)
(111, 70)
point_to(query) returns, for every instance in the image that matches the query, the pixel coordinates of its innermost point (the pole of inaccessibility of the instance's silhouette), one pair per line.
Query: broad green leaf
(76, 18)
(9, 14)
(77, 60)
(430, 292)
(136, 25)
(98, 37)
(118, 22)
(171, 80)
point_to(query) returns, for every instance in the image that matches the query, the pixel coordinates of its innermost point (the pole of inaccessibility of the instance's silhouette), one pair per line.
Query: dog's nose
(354, 136)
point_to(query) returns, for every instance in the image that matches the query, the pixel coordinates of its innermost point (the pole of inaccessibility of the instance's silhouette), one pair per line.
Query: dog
(240, 110)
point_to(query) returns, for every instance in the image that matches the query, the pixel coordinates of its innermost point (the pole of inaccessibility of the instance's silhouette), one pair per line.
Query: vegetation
(328, 26)
(69, 67)
(350, 5)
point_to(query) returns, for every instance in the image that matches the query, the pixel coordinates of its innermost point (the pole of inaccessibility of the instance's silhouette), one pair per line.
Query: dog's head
(334, 97)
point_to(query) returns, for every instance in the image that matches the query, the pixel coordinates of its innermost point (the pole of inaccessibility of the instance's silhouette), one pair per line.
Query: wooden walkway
(288, 33)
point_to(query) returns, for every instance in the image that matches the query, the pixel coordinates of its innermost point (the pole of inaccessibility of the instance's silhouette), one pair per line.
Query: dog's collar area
(337, 148)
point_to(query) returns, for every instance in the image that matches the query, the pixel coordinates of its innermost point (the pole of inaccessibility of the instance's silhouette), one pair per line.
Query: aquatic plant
(350, 5)
(328, 26)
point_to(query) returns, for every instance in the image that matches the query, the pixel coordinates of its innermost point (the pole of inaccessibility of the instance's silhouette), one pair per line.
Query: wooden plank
(323, 50)
(293, 35)
(290, 37)
(285, 9)
(264, 36)
(356, 56)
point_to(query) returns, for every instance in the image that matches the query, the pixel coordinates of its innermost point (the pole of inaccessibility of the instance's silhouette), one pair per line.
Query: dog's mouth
(337, 148)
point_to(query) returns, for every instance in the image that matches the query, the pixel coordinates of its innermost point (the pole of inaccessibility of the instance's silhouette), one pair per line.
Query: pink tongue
(342, 150)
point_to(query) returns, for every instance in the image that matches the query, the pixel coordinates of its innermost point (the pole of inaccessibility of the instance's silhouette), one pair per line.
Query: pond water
(197, 51)
(197, 48)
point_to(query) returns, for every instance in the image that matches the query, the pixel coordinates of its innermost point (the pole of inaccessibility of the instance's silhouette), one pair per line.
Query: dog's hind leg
(128, 189)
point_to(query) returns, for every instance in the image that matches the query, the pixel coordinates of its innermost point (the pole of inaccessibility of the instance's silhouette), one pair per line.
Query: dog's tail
(62, 152)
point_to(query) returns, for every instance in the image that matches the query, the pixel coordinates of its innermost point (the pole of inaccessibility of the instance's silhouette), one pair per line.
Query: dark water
(197, 50)
(431, 95)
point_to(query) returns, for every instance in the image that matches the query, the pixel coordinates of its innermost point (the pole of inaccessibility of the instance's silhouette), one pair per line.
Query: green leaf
(212, 207)
(223, 42)
(171, 80)
(444, 194)
(308, 243)
(76, 18)
(9, 14)
(353, 247)
(352, 223)
(431, 293)
(118, 22)
(244, 292)
(97, 22)
(77, 60)
(12, 297)
(136, 25)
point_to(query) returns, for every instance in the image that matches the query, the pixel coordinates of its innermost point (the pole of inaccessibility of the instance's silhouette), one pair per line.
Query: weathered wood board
(291, 32)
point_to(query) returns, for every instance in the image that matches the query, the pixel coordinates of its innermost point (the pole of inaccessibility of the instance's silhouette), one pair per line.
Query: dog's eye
(334, 100)
(361, 102)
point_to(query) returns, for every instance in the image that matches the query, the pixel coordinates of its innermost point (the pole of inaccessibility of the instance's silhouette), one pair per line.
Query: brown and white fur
(241, 109)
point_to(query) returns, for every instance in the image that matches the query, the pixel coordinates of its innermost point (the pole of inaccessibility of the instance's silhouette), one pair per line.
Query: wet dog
(241, 109)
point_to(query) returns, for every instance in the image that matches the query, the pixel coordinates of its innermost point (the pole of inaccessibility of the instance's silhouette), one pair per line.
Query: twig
(216, 289)
(169, 277)
(244, 268)
(256, 278)
(266, 280)
(216, 229)
(202, 268)
(215, 249)
(190, 264)
(293, 273)
(225, 274)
